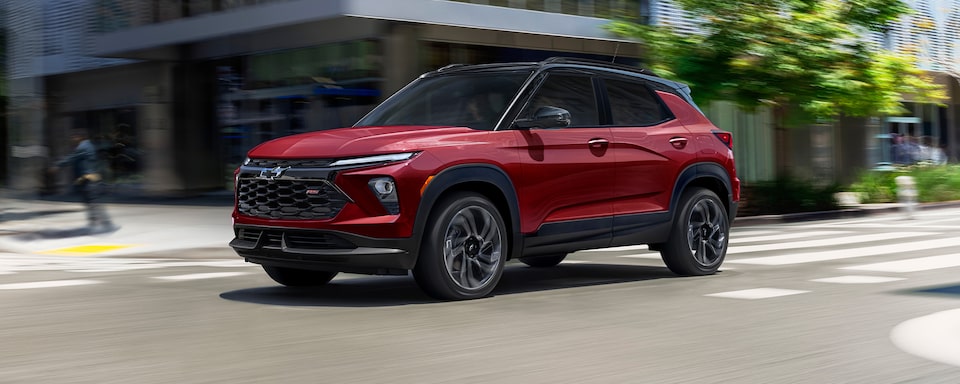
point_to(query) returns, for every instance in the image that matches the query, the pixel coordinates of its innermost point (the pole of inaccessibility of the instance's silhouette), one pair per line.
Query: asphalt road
(867, 300)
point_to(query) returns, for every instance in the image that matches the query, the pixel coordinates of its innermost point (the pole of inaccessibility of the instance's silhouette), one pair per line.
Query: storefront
(182, 117)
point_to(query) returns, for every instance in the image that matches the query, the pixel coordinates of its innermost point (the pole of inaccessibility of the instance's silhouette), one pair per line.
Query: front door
(568, 173)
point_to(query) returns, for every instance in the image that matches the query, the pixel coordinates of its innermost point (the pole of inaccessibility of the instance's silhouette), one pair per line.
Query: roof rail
(598, 63)
(450, 66)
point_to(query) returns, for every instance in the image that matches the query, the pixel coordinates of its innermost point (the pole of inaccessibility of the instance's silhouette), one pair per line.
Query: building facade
(176, 91)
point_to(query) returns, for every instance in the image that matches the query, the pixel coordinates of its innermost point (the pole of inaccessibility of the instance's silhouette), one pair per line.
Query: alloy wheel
(707, 232)
(472, 248)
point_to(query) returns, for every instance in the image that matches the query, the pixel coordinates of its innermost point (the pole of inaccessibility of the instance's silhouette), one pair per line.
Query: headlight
(385, 189)
(246, 160)
(373, 159)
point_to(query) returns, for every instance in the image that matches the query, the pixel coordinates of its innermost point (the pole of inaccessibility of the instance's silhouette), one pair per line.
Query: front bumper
(323, 250)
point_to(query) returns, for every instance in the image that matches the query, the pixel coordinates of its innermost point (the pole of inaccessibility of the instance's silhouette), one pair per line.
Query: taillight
(725, 137)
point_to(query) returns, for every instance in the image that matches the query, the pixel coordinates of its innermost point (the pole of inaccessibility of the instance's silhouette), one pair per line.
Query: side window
(571, 92)
(632, 104)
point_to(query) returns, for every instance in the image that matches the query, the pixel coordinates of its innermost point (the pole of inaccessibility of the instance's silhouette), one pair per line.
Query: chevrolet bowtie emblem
(272, 173)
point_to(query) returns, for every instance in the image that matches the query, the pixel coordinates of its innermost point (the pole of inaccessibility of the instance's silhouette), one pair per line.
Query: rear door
(651, 147)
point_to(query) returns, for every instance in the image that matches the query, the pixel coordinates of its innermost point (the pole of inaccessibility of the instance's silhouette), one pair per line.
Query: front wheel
(463, 250)
(299, 277)
(699, 235)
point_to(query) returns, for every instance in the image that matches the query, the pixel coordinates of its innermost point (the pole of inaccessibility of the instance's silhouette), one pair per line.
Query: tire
(299, 277)
(464, 229)
(544, 261)
(699, 235)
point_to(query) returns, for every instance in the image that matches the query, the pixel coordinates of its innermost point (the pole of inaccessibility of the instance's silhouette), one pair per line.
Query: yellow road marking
(90, 249)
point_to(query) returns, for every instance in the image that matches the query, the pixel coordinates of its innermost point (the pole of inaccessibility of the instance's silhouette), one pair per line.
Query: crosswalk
(872, 250)
(19, 264)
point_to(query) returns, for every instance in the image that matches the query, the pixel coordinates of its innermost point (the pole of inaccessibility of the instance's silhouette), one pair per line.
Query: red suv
(470, 166)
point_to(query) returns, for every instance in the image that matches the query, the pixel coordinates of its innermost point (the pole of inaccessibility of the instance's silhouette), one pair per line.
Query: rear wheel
(463, 250)
(699, 235)
(544, 261)
(299, 277)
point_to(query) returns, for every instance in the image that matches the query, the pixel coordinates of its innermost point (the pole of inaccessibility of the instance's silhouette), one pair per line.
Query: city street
(873, 299)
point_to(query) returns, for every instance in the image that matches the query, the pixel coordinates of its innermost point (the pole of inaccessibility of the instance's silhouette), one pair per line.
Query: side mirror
(546, 117)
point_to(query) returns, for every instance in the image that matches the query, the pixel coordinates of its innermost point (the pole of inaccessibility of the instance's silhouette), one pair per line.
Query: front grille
(289, 199)
(293, 163)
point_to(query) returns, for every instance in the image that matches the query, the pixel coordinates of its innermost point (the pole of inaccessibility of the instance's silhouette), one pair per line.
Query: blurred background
(174, 92)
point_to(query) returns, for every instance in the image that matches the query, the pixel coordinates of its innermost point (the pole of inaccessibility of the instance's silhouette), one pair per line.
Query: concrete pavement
(198, 227)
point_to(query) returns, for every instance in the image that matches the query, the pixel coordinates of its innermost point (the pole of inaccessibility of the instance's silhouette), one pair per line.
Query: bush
(876, 186)
(934, 183)
(787, 195)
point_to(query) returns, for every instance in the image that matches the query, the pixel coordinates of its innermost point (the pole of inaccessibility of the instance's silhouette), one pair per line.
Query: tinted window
(633, 104)
(571, 92)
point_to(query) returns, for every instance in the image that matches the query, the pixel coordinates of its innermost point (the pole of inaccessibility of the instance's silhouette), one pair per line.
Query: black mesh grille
(317, 241)
(250, 235)
(289, 199)
(294, 239)
(273, 163)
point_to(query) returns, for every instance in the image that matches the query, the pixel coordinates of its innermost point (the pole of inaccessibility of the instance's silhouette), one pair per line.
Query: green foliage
(876, 186)
(937, 183)
(788, 195)
(805, 53)
(934, 183)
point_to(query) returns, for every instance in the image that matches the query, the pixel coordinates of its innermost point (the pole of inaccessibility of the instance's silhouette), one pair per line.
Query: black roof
(553, 61)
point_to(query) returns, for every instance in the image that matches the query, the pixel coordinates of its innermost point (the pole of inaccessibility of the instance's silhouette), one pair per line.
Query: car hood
(361, 141)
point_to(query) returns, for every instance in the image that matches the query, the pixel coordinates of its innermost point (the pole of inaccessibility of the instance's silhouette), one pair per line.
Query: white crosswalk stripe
(48, 284)
(757, 293)
(11, 263)
(825, 242)
(736, 233)
(855, 279)
(784, 236)
(876, 250)
(201, 276)
(911, 265)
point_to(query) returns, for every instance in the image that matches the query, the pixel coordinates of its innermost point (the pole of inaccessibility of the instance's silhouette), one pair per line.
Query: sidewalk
(195, 227)
(200, 227)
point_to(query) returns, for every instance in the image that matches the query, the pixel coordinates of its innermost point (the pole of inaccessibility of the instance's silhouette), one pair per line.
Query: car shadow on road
(385, 291)
(950, 290)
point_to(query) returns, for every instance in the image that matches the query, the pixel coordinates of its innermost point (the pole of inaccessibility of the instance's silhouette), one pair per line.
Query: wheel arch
(486, 179)
(711, 176)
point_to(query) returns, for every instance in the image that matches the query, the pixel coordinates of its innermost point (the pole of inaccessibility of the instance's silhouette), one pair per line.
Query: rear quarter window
(634, 104)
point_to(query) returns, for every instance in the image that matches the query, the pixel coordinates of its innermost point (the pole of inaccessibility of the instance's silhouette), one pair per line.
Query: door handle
(597, 143)
(679, 142)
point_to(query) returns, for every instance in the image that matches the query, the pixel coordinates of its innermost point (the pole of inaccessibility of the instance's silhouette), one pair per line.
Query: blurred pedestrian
(87, 180)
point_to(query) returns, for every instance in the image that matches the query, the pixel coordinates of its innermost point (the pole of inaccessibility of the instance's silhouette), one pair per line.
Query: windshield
(475, 100)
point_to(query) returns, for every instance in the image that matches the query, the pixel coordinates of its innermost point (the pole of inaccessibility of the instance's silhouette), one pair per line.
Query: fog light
(385, 189)
(383, 186)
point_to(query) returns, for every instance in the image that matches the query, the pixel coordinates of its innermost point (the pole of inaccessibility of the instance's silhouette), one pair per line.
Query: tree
(805, 58)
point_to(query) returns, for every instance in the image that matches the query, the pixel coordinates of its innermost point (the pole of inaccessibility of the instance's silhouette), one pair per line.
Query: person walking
(87, 181)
